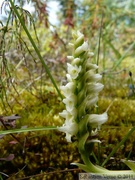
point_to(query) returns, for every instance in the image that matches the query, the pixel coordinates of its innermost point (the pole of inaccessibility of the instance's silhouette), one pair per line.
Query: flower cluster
(81, 91)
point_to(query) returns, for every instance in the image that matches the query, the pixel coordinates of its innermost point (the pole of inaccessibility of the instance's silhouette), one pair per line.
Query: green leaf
(91, 168)
(82, 166)
(130, 164)
(12, 131)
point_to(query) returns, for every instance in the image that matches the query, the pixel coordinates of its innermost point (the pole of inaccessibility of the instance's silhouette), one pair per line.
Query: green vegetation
(33, 60)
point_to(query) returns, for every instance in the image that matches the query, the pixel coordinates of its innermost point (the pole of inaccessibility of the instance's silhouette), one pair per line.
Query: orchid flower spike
(81, 94)
(81, 91)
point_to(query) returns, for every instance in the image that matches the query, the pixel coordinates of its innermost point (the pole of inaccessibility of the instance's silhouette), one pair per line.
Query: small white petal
(68, 137)
(69, 89)
(95, 141)
(73, 70)
(94, 87)
(76, 61)
(85, 46)
(69, 115)
(81, 49)
(74, 112)
(71, 45)
(69, 78)
(70, 102)
(70, 57)
(91, 101)
(98, 119)
(70, 128)
(90, 66)
(94, 132)
(90, 76)
(79, 33)
(63, 114)
(91, 54)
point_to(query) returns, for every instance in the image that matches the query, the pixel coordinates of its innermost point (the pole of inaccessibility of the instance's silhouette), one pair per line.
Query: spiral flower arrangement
(81, 91)
(81, 95)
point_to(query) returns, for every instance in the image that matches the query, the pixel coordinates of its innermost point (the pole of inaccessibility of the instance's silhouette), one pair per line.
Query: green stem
(83, 135)
(88, 163)
(35, 47)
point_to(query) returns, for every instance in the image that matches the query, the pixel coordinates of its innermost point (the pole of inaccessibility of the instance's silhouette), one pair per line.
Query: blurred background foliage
(26, 89)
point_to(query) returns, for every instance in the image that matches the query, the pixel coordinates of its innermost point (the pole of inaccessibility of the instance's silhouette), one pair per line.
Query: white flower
(69, 115)
(70, 57)
(91, 54)
(69, 78)
(81, 92)
(90, 66)
(94, 87)
(73, 70)
(79, 34)
(69, 89)
(76, 61)
(81, 49)
(70, 128)
(63, 114)
(90, 76)
(97, 119)
(91, 100)
(70, 102)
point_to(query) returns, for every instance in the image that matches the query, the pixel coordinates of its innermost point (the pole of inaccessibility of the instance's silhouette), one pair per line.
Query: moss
(47, 151)
(43, 151)
(121, 119)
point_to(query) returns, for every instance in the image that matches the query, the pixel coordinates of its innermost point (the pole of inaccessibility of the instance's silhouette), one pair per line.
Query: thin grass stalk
(13, 131)
(118, 146)
(118, 62)
(35, 47)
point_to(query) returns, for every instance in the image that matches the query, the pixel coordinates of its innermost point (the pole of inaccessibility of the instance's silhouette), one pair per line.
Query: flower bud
(81, 49)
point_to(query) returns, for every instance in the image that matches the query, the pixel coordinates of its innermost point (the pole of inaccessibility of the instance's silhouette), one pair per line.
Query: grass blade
(34, 46)
(12, 131)
(118, 146)
(117, 63)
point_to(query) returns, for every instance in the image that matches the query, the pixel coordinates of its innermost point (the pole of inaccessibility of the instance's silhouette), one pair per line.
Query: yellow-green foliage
(38, 152)
(45, 152)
